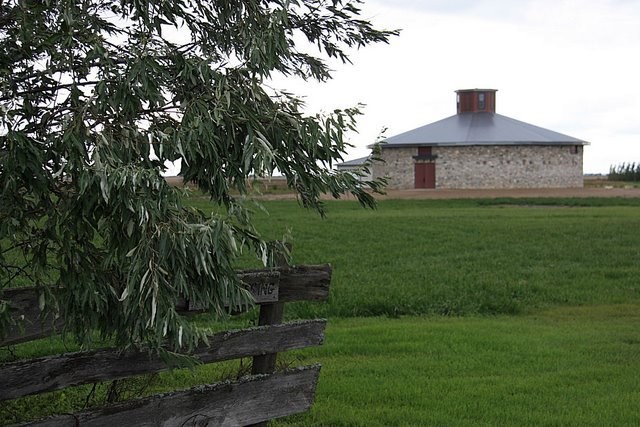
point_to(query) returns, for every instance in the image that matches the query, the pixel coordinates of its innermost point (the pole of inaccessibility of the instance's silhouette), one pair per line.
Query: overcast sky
(569, 66)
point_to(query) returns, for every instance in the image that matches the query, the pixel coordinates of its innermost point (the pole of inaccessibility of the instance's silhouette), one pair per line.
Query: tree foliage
(624, 172)
(97, 95)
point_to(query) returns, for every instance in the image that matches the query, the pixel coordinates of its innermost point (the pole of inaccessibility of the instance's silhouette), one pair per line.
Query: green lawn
(466, 257)
(461, 312)
(541, 301)
(565, 366)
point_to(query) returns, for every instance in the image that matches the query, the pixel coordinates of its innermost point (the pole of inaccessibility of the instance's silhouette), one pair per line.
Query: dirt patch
(418, 194)
(591, 191)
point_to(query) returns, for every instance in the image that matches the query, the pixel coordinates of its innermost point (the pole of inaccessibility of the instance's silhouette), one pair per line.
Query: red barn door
(425, 175)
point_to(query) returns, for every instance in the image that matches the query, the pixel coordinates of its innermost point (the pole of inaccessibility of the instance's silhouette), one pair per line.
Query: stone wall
(495, 166)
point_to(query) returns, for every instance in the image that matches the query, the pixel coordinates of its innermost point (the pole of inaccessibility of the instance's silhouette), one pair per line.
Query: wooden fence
(252, 400)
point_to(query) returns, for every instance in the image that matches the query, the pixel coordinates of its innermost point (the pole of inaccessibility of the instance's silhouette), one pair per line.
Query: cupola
(476, 100)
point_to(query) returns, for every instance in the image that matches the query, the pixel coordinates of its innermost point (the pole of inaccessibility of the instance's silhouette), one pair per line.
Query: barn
(354, 165)
(478, 148)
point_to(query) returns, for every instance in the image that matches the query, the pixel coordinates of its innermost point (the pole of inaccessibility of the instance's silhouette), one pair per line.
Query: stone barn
(353, 166)
(478, 148)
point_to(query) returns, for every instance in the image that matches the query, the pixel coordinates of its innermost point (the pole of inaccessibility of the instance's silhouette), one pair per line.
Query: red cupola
(476, 100)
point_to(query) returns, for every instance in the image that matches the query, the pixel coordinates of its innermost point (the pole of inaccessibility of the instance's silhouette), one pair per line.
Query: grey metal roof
(354, 162)
(481, 129)
(476, 90)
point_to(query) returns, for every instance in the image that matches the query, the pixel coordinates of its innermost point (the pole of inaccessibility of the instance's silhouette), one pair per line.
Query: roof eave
(472, 143)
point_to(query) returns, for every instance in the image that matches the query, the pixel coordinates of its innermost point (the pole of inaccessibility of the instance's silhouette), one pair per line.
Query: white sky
(567, 65)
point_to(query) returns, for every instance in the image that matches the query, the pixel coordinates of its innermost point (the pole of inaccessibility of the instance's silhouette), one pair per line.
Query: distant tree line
(625, 172)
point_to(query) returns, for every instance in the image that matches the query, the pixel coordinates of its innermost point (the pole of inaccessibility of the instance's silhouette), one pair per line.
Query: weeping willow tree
(96, 96)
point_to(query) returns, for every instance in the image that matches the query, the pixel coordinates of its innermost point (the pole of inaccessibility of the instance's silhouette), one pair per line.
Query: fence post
(270, 314)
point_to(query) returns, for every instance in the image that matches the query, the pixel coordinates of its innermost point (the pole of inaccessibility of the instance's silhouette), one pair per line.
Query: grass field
(464, 312)
(541, 301)
(423, 257)
(564, 366)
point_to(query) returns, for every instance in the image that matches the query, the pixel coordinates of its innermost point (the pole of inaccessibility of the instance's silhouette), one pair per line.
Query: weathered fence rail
(252, 400)
(283, 284)
(52, 373)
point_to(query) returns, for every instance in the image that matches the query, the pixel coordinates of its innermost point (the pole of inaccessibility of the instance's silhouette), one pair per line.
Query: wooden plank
(304, 283)
(239, 403)
(24, 303)
(263, 285)
(57, 372)
(300, 283)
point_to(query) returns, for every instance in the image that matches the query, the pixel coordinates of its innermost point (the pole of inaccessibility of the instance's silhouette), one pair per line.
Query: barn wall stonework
(398, 166)
(496, 166)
